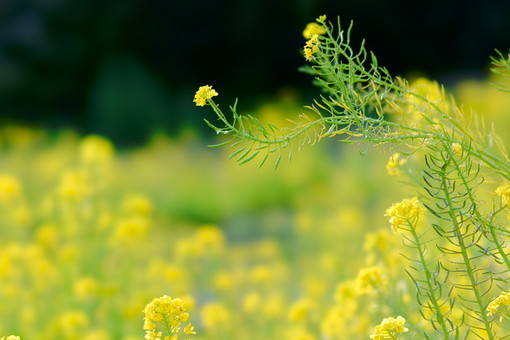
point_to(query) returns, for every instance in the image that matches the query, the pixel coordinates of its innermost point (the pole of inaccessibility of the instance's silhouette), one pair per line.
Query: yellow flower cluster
(203, 94)
(502, 301)
(403, 212)
(169, 314)
(389, 328)
(311, 46)
(10, 337)
(371, 280)
(394, 163)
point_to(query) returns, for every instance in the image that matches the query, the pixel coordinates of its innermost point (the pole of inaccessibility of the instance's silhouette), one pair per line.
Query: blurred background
(127, 68)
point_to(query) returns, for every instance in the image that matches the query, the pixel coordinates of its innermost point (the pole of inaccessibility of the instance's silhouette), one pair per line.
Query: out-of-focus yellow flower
(137, 204)
(332, 325)
(10, 188)
(403, 212)
(74, 185)
(95, 149)
(209, 239)
(72, 324)
(225, 281)
(298, 333)
(203, 94)
(371, 280)
(10, 337)
(215, 316)
(260, 274)
(129, 231)
(86, 288)
(251, 302)
(394, 163)
(300, 310)
(389, 328)
(97, 335)
(313, 28)
(456, 149)
(47, 236)
(273, 306)
(503, 192)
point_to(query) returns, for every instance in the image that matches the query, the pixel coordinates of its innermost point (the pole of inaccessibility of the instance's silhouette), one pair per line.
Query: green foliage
(459, 262)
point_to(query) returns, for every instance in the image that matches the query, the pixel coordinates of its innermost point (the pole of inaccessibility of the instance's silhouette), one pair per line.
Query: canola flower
(456, 149)
(165, 315)
(394, 163)
(500, 305)
(311, 47)
(403, 212)
(313, 28)
(503, 192)
(10, 337)
(203, 94)
(371, 280)
(389, 328)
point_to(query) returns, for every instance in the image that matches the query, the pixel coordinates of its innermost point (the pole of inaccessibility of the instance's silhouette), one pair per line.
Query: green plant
(456, 225)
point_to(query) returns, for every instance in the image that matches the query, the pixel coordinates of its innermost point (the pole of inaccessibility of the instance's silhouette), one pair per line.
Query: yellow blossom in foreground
(502, 301)
(168, 314)
(394, 163)
(503, 192)
(313, 28)
(404, 211)
(10, 337)
(204, 93)
(389, 328)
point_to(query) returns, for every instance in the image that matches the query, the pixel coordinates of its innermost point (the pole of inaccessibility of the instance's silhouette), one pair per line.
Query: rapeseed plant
(452, 161)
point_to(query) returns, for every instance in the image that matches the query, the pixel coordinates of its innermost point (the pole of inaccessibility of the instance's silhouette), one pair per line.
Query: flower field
(91, 235)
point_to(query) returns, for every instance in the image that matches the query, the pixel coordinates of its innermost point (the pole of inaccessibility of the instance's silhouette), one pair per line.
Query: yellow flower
(215, 316)
(95, 149)
(10, 188)
(403, 212)
(203, 94)
(370, 280)
(312, 29)
(300, 310)
(456, 148)
(10, 337)
(503, 301)
(189, 329)
(321, 19)
(503, 192)
(169, 314)
(74, 185)
(311, 46)
(389, 328)
(394, 163)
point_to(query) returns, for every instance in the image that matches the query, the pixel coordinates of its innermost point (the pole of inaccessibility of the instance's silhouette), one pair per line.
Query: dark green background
(124, 68)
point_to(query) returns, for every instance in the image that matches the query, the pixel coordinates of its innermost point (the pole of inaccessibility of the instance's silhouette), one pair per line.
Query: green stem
(429, 278)
(465, 256)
